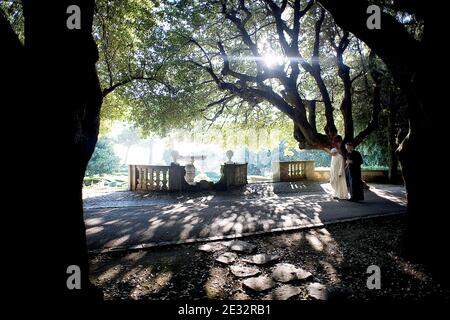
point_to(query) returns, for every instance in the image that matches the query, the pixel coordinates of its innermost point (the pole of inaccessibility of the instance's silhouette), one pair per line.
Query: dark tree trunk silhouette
(391, 137)
(407, 60)
(56, 91)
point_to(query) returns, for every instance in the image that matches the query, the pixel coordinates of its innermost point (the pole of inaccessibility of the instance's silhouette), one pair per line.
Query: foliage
(146, 54)
(12, 10)
(128, 136)
(147, 75)
(103, 160)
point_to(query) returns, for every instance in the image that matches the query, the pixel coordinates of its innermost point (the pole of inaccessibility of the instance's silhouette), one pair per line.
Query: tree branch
(220, 101)
(11, 44)
(241, 27)
(116, 85)
(401, 53)
(317, 29)
(226, 67)
(376, 109)
(276, 13)
(203, 51)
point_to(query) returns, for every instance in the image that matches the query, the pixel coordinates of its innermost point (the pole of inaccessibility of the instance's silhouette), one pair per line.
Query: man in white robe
(337, 175)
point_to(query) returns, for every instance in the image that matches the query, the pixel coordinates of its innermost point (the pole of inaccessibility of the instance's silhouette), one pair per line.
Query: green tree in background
(104, 160)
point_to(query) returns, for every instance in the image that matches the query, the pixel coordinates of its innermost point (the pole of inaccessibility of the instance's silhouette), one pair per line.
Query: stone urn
(229, 155)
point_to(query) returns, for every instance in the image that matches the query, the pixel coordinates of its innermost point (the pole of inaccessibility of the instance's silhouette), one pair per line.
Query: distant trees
(103, 160)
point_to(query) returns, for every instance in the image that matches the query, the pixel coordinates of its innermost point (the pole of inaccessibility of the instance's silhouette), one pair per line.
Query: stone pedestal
(276, 171)
(310, 170)
(177, 181)
(233, 175)
(132, 177)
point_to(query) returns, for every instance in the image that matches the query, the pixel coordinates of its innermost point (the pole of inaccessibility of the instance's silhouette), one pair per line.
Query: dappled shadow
(213, 217)
(123, 198)
(337, 256)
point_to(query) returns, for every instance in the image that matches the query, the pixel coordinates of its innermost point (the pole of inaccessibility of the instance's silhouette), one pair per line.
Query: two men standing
(345, 171)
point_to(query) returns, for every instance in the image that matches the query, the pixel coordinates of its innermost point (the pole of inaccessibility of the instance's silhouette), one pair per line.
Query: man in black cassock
(353, 173)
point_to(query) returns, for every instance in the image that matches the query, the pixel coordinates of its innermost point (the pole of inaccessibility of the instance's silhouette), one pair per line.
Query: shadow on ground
(166, 220)
(337, 256)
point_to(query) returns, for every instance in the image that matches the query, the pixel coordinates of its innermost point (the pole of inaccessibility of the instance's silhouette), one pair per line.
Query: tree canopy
(233, 65)
(227, 67)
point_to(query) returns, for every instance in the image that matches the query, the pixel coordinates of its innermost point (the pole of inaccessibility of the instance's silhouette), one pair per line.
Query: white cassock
(337, 176)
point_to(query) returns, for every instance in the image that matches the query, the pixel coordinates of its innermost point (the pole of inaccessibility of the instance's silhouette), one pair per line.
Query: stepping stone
(261, 258)
(227, 257)
(240, 246)
(285, 272)
(243, 271)
(317, 291)
(211, 247)
(261, 283)
(284, 292)
(240, 296)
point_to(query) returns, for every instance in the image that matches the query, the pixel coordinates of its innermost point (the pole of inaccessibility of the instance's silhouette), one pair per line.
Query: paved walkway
(126, 220)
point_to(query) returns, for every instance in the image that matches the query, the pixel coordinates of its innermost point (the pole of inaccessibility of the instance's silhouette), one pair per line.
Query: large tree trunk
(426, 237)
(63, 82)
(407, 61)
(391, 137)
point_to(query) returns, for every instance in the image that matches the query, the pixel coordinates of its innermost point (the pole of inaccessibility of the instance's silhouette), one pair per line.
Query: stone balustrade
(293, 170)
(305, 170)
(173, 178)
(156, 178)
(181, 178)
(150, 178)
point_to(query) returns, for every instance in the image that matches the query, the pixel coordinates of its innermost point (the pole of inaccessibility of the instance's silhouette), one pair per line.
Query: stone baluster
(157, 179)
(165, 173)
(148, 179)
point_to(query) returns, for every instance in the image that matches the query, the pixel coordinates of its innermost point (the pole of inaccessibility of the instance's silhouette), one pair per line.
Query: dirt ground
(337, 256)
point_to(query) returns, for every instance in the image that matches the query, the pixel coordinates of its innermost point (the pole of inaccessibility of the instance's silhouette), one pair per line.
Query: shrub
(103, 160)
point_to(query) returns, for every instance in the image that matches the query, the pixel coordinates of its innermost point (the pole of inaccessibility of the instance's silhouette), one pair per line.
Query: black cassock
(353, 172)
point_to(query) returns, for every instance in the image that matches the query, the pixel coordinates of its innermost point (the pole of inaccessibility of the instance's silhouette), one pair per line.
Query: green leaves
(103, 160)
(161, 53)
